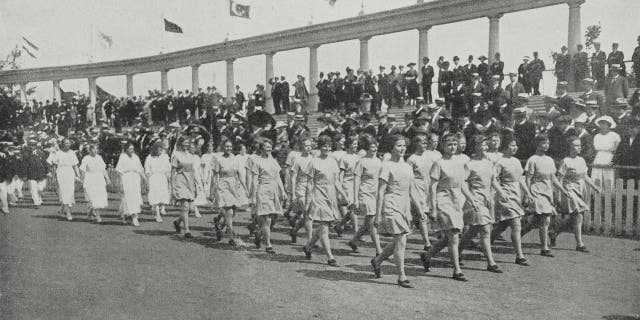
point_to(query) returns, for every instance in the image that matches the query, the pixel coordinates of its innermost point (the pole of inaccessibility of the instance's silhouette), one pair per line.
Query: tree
(592, 33)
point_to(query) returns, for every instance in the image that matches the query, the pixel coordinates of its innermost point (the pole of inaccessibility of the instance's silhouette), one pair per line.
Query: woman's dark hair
(351, 139)
(390, 141)
(506, 141)
(541, 138)
(571, 139)
(262, 141)
(336, 140)
(476, 141)
(324, 140)
(365, 141)
(449, 136)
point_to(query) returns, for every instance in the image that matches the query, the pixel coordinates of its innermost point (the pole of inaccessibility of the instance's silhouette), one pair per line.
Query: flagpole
(163, 35)
(91, 43)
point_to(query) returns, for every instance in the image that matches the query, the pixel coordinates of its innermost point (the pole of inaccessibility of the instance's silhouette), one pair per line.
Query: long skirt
(66, 185)
(159, 189)
(132, 198)
(95, 190)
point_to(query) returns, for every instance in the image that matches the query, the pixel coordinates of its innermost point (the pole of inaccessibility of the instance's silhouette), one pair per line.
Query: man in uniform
(636, 62)
(524, 132)
(580, 67)
(562, 64)
(497, 67)
(427, 80)
(617, 57)
(483, 70)
(523, 74)
(536, 67)
(616, 88)
(469, 70)
(513, 89)
(598, 61)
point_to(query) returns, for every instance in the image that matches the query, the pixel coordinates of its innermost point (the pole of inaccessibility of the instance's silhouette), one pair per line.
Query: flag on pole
(30, 44)
(105, 40)
(25, 49)
(239, 10)
(171, 27)
(331, 2)
(29, 47)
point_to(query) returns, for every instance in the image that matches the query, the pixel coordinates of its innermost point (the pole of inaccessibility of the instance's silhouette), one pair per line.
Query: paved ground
(52, 269)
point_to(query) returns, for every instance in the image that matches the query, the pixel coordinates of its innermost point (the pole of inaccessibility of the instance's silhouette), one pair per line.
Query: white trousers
(35, 187)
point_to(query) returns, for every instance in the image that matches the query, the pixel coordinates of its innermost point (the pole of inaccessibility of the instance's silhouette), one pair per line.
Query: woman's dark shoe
(546, 253)
(188, 235)
(553, 236)
(494, 268)
(376, 268)
(270, 250)
(353, 247)
(176, 224)
(332, 263)
(294, 236)
(256, 241)
(426, 261)
(307, 252)
(405, 284)
(251, 228)
(426, 248)
(522, 262)
(582, 249)
(459, 277)
(338, 230)
(218, 233)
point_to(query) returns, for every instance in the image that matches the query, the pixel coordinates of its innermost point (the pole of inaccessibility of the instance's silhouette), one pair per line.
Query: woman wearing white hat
(605, 144)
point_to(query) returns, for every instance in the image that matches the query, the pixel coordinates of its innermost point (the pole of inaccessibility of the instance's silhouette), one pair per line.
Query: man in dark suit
(580, 67)
(275, 95)
(562, 64)
(495, 96)
(588, 151)
(616, 88)
(558, 145)
(523, 74)
(445, 81)
(598, 61)
(284, 94)
(497, 67)
(536, 67)
(565, 102)
(628, 152)
(636, 63)
(525, 133)
(513, 89)
(483, 70)
(469, 70)
(457, 69)
(427, 80)
(240, 98)
(617, 57)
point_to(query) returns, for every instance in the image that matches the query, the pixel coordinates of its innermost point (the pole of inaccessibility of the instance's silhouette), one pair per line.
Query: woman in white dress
(65, 165)
(183, 183)
(95, 180)
(131, 171)
(605, 144)
(158, 171)
(206, 161)
(198, 169)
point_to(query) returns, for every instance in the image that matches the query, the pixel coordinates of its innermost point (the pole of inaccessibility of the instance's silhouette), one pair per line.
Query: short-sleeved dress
(95, 185)
(605, 146)
(368, 169)
(481, 176)
(323, 200)
(130, 168)
(158, 169)
(200, 169)
(573, 171)
(65, 161)
(299, 168)
(267, 171)
(396, 205)
(206, 161)
(348, 165)
(541, 170)
(229, 192)
(450, 174)
(183, 181)
(494, 157)
(509, 174)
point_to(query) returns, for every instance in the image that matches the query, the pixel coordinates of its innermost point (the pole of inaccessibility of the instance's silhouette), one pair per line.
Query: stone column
(494, 36)
(364, 53)
(313, 78)
(23, 93)
(573, 36)
(93, 91)
(267, 87)
(195, 78)
(56, 89)
(230, 80)
(164, 80)
(423, 51)
(130, 85)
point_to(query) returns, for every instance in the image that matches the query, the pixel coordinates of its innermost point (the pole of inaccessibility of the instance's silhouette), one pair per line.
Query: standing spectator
(483, 70)
(427, 80)
(636, 62)
(628, 152)
(301, 93)
(240, 98)
(605, 143)
(497, 67)
(598, 60)
(258, 96)
(523, 74)
(562, 64)
(276, 94)
(284, 94)
(445, 81)
(616, 88)
(524, 132)
(617, 57)
(469, 70)
(513, 89)
(580, 67)
(536, 67)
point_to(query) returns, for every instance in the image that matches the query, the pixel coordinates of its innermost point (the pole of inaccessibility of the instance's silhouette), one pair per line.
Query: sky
(63, 32)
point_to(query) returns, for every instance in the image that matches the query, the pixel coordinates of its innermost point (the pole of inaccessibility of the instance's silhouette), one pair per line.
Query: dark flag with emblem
(171, 27)
(238, 10)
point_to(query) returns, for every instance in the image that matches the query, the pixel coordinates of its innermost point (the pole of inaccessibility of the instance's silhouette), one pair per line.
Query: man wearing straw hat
(590, 95)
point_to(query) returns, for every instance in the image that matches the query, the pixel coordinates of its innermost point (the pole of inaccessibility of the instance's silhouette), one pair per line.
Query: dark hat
(298, 117)
(455, 58)
(562, 84)
(482, 58)
(411, 64)
(381, 67)
(511, 74)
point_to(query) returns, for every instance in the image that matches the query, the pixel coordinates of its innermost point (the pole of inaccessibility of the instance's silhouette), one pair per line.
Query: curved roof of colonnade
(396, 20)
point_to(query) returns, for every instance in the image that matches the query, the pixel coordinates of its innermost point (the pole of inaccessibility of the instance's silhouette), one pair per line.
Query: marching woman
(268, 191)
(367, 173)
(393, 207)
(228, 189)
(95, 182)
(449, 191)
(199, 171)
(347, 165)
(65, 164)
(421, 164)
(462, 146)
(509, 193)
(573, 174)
(540, 173)
(183, 183)
(299, 185)
(480, 181)
(131, 172)
(158, 170)
(322, 201)
(206, 162)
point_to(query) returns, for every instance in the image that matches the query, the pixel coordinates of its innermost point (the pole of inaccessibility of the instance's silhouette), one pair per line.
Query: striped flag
(171, 27)
(105, 40)
(29, 47)
(30, 44)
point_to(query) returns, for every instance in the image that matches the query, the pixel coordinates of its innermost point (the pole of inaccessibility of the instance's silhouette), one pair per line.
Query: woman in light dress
(228, 189)
(183, 183)
(573, 174)
(131, 171)
(605, 144)
(158, 170)
(449, 191)
(268, 193)
(511, 193)
(65, 165)
(347, 165)
(367, 174)
(299, 185)
(322, 197)
(95, 181)
(421, 163)
(393, 207)
(199, 172)
(206, 162)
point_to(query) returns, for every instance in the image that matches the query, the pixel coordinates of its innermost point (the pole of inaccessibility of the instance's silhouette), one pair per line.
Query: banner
(171, 27)
(239, 10)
